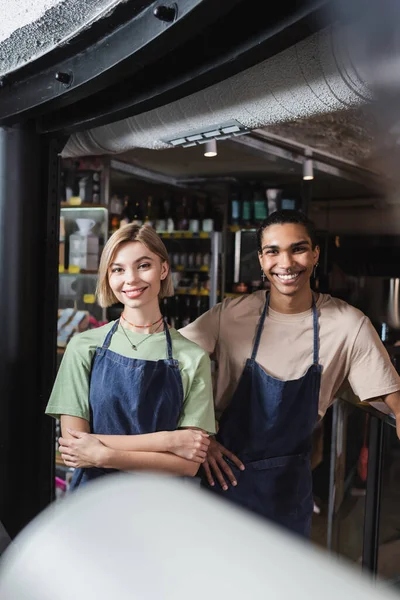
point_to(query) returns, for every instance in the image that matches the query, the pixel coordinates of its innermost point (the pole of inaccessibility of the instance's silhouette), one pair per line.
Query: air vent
(218, 132)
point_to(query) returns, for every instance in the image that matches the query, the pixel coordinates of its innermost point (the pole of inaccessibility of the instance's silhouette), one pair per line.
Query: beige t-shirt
(349, 347)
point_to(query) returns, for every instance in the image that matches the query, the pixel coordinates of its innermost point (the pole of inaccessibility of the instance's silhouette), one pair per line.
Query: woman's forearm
(159, 462)
(160, 441)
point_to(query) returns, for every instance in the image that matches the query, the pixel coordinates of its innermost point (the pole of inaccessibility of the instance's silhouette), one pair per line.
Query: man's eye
(270, 252)
(300, 249)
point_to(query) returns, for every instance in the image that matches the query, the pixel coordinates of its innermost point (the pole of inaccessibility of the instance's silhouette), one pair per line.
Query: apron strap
(168, 338)
(260, 327)
(109, 335)
(315, 329)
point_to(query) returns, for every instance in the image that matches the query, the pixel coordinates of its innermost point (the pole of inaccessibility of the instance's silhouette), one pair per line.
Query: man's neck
(291, 305)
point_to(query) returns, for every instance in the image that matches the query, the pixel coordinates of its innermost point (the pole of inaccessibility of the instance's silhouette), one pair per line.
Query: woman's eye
(116, 270)
(144, 266)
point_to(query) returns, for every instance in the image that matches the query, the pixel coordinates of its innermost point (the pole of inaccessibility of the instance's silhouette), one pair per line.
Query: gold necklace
(141, 326)
(135, 346)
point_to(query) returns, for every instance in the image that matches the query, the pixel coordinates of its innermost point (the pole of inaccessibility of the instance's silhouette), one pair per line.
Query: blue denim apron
(129, 396)
(269, 425)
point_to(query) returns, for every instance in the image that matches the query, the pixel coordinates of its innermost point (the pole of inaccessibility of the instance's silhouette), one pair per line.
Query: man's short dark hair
(281, 217)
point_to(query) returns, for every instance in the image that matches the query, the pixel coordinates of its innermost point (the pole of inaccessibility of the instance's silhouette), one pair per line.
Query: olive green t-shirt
(70, 395)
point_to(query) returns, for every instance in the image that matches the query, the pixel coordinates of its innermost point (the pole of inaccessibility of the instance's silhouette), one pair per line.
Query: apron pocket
(276, 487)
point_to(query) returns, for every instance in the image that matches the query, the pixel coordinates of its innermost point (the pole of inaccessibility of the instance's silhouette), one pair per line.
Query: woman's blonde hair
(130, 233)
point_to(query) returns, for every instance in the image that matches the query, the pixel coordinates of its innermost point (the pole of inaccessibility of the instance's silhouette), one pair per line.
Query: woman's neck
(141, 319)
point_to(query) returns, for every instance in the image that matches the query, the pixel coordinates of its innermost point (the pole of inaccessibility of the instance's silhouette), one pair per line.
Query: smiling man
(282, 356)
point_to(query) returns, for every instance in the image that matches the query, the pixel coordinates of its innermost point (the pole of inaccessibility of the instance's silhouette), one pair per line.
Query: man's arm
(204, 331)
(393, 402)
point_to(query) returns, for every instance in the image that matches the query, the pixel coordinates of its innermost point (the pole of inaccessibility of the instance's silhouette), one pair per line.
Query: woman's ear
(164, 270)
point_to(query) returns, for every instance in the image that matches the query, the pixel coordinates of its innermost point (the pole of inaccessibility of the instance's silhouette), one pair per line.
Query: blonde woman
(133, 394)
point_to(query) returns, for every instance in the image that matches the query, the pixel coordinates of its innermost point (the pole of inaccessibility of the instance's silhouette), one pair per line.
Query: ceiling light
(308, 170)
(210, 148)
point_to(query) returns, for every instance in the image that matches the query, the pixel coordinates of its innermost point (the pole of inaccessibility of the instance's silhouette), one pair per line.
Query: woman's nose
(130, 276)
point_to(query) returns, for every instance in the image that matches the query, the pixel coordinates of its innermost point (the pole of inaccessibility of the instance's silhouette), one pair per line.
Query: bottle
(148, 219)
(206, 260)
(194, 221)
(165, 308)
(183, 220)
(260, 208)
(194, 286)
(115, 223)
(169, 214)
(96, 187)
(137, 214)
(161, 221)
(126, 214)
(208, 221)
(235, 210)
(187, 312)
(246, 208)
(274, 197)
(176, 318)
(198, 259)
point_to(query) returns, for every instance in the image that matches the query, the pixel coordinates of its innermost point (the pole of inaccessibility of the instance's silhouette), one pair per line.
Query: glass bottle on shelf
(161, 221)
(148, 219)
(127, 213)
(169, 214)
(194, 286)
(194, 221)
(176, 320)
(208, 221)
(183, 220)
(260, 207)
(187, 313)
(246, 208)
(115, 223)
(235, 209)
(137, 214)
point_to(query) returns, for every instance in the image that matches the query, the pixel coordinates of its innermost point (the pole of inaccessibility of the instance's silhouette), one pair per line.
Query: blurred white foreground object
(144, 537)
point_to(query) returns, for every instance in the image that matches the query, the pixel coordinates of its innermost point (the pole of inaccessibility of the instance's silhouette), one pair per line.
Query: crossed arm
(177, 452)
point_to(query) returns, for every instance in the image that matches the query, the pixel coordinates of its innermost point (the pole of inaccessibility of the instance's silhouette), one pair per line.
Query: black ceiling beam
(124, 50)
(231, 44)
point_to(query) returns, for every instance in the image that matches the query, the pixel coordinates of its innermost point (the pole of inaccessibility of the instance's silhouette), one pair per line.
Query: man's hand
(191, 444)
(82, 450)
(216, 465)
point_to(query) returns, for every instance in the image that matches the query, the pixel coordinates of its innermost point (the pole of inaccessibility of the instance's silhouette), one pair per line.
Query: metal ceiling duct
(316, 75)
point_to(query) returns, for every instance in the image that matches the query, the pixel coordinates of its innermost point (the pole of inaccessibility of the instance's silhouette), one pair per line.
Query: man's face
(287, 257)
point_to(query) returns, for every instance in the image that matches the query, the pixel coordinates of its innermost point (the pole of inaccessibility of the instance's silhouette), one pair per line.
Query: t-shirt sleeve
(371, 373)
(204, 331)
(198, 406)
(70, 394)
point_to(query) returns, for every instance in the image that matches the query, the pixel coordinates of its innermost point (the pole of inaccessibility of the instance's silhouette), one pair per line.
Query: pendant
(133, 347)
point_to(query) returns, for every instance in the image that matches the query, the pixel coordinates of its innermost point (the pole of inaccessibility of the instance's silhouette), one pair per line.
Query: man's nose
(285, 260)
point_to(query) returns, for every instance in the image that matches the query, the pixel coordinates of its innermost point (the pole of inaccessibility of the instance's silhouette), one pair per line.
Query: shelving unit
(77, 286)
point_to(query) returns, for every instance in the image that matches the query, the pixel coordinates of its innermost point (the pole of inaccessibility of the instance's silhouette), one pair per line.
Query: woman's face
(287, 257)
(135, 275)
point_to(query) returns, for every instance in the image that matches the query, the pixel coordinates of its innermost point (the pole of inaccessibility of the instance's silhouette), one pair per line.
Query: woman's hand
(191, 444)
(82, 450)
(217, 466)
